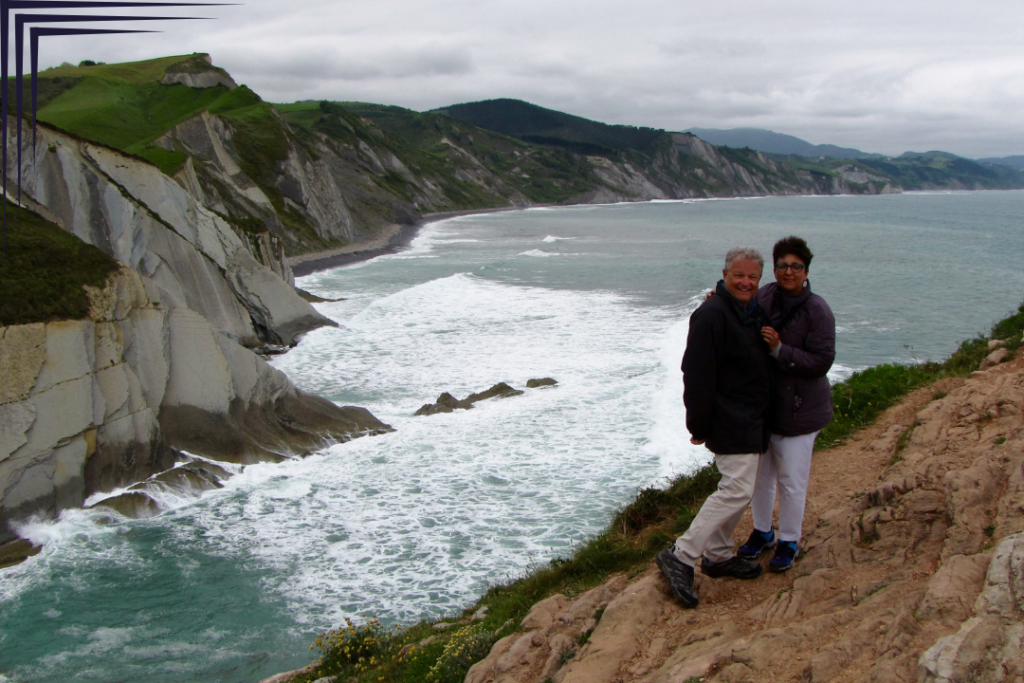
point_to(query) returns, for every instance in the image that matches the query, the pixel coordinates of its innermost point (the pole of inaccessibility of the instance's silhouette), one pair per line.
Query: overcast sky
(879, 76)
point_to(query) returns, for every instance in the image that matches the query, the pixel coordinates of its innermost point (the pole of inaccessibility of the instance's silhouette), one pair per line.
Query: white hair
(743, 253)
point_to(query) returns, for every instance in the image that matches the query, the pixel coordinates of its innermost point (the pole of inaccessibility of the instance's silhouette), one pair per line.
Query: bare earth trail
(911, 570)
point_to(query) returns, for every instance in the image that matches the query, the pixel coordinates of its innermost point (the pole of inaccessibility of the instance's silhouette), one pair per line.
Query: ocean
(234, 584)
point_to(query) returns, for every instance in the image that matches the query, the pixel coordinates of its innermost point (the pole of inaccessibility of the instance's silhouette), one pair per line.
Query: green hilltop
(127, 106)
(393, 164)
(531, 123)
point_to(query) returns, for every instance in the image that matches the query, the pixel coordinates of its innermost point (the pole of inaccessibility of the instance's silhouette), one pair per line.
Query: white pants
(787, 465)
(710, 534)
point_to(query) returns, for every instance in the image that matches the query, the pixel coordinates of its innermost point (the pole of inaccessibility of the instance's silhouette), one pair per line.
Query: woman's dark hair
(792, 245)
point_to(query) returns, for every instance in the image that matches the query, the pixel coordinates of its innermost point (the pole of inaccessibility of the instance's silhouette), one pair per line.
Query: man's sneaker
(679, 575)
(734, 567)
(784, 556)
(758, 542)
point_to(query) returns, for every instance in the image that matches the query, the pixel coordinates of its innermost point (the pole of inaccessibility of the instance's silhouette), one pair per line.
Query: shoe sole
(686, 600)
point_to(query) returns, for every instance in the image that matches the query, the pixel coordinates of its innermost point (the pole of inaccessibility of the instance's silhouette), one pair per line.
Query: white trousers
(787, 466)
(710, 534)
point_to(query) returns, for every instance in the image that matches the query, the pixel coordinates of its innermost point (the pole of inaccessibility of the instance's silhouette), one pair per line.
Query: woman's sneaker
(758, 542)
(733, 567)
(785, 554)
(679, 575)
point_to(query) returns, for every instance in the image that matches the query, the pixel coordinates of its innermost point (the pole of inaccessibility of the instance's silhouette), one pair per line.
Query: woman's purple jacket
(803, 397)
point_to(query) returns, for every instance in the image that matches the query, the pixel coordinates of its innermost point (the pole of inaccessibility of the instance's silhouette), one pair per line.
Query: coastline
(392, 239)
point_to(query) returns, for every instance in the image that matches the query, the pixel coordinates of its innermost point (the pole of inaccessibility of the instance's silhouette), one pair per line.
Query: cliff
(912, 569)
(164, 361)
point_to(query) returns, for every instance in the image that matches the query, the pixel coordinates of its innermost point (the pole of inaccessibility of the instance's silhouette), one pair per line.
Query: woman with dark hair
(802, 337)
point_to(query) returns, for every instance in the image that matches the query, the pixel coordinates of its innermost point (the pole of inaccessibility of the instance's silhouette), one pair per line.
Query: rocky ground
(911, 569)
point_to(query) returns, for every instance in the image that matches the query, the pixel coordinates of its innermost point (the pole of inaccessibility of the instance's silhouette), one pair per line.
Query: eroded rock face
(188, 256)
(91, 405)
(911, 571)
(447, 403)
(163, 361)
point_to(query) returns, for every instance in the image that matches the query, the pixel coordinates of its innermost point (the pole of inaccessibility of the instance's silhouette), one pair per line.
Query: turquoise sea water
(233, 585)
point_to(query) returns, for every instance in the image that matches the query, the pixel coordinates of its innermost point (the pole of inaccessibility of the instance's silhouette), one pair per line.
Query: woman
(802, 340)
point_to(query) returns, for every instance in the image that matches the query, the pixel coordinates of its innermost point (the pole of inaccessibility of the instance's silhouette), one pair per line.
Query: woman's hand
(771, 336)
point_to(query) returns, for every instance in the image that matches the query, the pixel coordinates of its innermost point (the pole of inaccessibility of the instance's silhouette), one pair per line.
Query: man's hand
(771, 336)
(697, 442)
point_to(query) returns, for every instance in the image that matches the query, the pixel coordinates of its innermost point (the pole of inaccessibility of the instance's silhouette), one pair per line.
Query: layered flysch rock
(164, 361)
(911, 571)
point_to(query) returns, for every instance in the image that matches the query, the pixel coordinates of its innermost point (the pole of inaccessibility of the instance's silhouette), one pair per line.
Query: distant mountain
(531, 123)
(917, 171)
(775, 143)
(1016, 161)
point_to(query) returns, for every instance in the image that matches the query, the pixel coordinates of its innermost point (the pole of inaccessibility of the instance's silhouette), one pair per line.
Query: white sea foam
(553, 238)
(421, 520)
(538, 253)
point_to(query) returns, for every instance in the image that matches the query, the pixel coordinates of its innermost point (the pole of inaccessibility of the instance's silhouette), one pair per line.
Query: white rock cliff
(164, 360)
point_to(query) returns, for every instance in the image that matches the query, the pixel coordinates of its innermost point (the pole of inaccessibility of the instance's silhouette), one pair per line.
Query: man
(726, 390)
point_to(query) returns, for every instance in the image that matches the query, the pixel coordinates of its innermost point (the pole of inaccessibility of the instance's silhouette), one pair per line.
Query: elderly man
(726, 390)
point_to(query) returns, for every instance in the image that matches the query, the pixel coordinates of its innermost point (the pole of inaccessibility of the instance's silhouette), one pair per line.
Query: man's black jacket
(727, 376)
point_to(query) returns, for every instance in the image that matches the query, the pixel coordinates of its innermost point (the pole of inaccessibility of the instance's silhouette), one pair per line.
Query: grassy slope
(633, 537)
(544, 174)
(125, 106)
(43, 270)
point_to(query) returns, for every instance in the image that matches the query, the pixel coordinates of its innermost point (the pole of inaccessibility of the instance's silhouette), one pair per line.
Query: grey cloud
(876, 75)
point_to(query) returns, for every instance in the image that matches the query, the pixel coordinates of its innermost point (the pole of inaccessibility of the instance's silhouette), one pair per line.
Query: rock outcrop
(164, 361)
(446, 403)
(911, 571)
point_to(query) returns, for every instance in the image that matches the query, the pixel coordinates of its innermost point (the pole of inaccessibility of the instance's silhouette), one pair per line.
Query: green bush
(360, 648)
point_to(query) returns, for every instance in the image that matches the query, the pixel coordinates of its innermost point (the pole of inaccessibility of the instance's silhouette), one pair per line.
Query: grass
(43, 270)
(137, 73)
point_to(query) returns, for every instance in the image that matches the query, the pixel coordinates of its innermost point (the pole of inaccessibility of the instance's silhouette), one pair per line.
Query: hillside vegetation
(43, 268)
(531, 123)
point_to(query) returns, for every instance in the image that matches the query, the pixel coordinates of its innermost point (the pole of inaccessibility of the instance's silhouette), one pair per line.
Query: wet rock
(446, 403)
(499, 390)
(15, 552)
(134, 504)
(544, 382)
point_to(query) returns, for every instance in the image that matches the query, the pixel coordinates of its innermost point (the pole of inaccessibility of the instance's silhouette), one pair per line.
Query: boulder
(135, 504)
(446, 403)
(544, 382)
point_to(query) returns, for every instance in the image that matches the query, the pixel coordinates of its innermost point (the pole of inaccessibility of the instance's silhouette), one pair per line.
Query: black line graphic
(6, 6)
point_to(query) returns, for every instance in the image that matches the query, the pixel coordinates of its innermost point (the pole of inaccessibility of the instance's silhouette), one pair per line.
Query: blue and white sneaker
(758, 542)
(785, 554)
